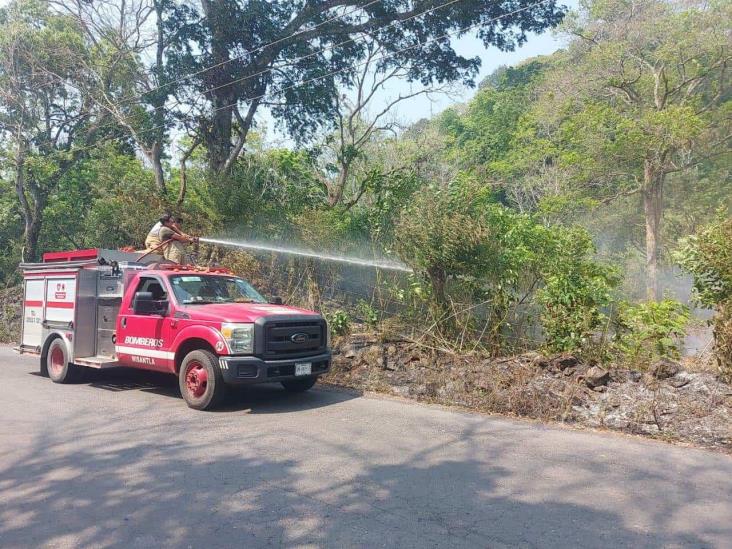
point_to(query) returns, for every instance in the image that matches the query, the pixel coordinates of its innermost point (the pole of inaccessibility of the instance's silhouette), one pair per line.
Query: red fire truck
(105, 308)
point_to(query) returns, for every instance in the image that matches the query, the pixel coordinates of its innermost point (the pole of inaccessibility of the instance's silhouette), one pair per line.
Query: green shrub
(648, 331)
(369, 314)
(473, 251)
(707, 256)
(576, 290)
(339, 322)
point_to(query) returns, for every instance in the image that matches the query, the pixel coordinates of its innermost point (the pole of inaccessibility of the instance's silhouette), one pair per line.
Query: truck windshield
(202, 289)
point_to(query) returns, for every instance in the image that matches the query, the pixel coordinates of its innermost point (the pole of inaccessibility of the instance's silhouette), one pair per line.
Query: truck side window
(152, 285)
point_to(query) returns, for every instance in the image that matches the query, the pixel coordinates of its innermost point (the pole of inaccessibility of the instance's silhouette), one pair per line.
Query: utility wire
(255, 50)
(137, 98)
(335, 72)
(202, 93)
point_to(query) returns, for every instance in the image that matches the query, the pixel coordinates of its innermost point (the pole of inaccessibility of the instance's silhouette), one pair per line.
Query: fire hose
(148, 252)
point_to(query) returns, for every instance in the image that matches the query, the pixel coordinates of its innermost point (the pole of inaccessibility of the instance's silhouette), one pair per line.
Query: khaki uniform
(153, 237)
(172, 251)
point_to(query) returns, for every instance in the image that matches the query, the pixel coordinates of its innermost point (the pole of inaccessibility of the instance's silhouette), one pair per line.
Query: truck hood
(240, 312)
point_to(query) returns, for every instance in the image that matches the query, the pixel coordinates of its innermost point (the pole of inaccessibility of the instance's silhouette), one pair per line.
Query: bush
(645, 332)
(576, 290)
(707, 256)
(339, 322)
(475, 251)
(368, 313)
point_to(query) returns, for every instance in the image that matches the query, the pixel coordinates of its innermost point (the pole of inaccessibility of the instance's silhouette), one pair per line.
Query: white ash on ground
(666, 402)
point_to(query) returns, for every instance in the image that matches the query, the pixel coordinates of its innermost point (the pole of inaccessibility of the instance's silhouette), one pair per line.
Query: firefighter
(168, 229)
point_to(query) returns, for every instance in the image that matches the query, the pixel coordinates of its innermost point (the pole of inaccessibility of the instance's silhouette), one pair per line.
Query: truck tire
(57, 364)
(299, 385)
(200, 380)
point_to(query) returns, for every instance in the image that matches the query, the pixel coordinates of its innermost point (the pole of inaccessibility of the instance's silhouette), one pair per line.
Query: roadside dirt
(665, 403)
(10, 307)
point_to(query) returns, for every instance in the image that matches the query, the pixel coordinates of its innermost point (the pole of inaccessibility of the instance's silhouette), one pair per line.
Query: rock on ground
(666, 402)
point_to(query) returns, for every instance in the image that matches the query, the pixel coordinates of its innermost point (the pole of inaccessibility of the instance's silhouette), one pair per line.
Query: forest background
(580, 201)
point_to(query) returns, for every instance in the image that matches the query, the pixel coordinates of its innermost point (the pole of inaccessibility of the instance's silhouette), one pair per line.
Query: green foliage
(369, 314)
(339, 322)
(648, 331)
(576, 289)
(707, 256)
(214, 31)
(468, 246)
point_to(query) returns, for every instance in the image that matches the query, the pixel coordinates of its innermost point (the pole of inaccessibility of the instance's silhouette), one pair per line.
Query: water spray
(379, 264)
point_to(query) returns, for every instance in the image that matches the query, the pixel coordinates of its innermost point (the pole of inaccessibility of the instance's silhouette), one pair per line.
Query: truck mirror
(275, 300)
(144, 304)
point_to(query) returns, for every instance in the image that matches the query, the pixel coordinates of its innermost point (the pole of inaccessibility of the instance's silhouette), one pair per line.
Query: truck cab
(102, 308)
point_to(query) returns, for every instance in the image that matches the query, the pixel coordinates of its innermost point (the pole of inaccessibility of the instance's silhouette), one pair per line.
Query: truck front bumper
(248, 370)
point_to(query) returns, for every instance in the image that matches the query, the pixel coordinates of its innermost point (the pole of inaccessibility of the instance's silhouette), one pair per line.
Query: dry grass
(691, 407)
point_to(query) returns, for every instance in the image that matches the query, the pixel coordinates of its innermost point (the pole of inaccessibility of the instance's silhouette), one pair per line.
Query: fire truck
(105, 308)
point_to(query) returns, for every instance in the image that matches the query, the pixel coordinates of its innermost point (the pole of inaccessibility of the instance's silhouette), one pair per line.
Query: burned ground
(666, 402)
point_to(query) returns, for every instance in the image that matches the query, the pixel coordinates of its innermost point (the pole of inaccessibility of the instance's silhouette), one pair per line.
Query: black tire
(200, 380)
(56, 363)
(299, 385)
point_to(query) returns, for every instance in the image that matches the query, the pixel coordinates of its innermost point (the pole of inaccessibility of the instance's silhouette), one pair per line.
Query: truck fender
(210, 335)
(53, 334)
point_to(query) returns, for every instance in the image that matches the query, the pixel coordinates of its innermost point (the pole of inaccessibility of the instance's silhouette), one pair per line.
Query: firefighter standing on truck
(168, 230)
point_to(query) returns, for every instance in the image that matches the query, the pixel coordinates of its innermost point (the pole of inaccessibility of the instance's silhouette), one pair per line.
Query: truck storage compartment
(105, 343)
(33, 312)
(107, 311)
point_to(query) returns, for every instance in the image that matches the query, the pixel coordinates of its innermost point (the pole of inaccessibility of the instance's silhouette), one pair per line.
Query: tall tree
(291, 56)
(645, 86)
(364, 120)
(128, 76)
(46, 125)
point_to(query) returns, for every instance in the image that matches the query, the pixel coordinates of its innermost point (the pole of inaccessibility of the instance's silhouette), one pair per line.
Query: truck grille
(294, 338)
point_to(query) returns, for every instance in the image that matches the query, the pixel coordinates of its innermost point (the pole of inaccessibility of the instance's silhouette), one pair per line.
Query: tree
(233, 57)
(644, 92)
(46, 125)
(349, 169)
(128, 76)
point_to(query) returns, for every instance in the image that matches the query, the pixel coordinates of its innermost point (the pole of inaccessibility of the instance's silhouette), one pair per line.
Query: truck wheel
(57, 364)
(200, 380)
(299, 385)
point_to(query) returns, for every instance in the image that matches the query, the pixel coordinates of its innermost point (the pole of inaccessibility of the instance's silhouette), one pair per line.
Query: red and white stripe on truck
(49, 297)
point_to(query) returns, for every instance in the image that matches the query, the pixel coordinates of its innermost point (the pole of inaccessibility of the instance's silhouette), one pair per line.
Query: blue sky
(420, 107)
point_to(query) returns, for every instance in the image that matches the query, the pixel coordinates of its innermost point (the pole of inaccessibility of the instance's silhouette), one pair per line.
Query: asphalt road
(121, 461)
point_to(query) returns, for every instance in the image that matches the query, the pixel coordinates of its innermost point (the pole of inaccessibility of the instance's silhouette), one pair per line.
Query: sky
(414, 109)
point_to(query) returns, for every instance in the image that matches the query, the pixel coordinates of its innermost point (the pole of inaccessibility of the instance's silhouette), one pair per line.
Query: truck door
(143, 340)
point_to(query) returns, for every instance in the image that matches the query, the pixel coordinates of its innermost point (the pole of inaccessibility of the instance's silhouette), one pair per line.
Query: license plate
(303, 369)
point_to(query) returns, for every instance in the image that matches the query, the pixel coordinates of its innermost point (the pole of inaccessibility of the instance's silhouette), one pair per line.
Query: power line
(326, 49)
(137, 98)
(250, 52)
(335, 72)
(264, 71)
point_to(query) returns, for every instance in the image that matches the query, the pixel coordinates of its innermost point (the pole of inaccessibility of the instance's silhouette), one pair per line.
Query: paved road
(121, 461)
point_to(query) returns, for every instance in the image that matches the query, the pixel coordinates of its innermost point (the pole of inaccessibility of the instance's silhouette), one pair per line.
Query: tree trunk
(335, 193)
(32, 231)
(157, 165)
(31, 221)
(219, 133)
(652, 209)
(218, 137)
(440, 306)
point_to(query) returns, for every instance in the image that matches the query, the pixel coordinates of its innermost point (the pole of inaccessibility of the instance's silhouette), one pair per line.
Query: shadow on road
(268, 398)
(182, 490)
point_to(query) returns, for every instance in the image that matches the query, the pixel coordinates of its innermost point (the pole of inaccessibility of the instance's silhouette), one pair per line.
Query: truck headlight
(240, 337)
